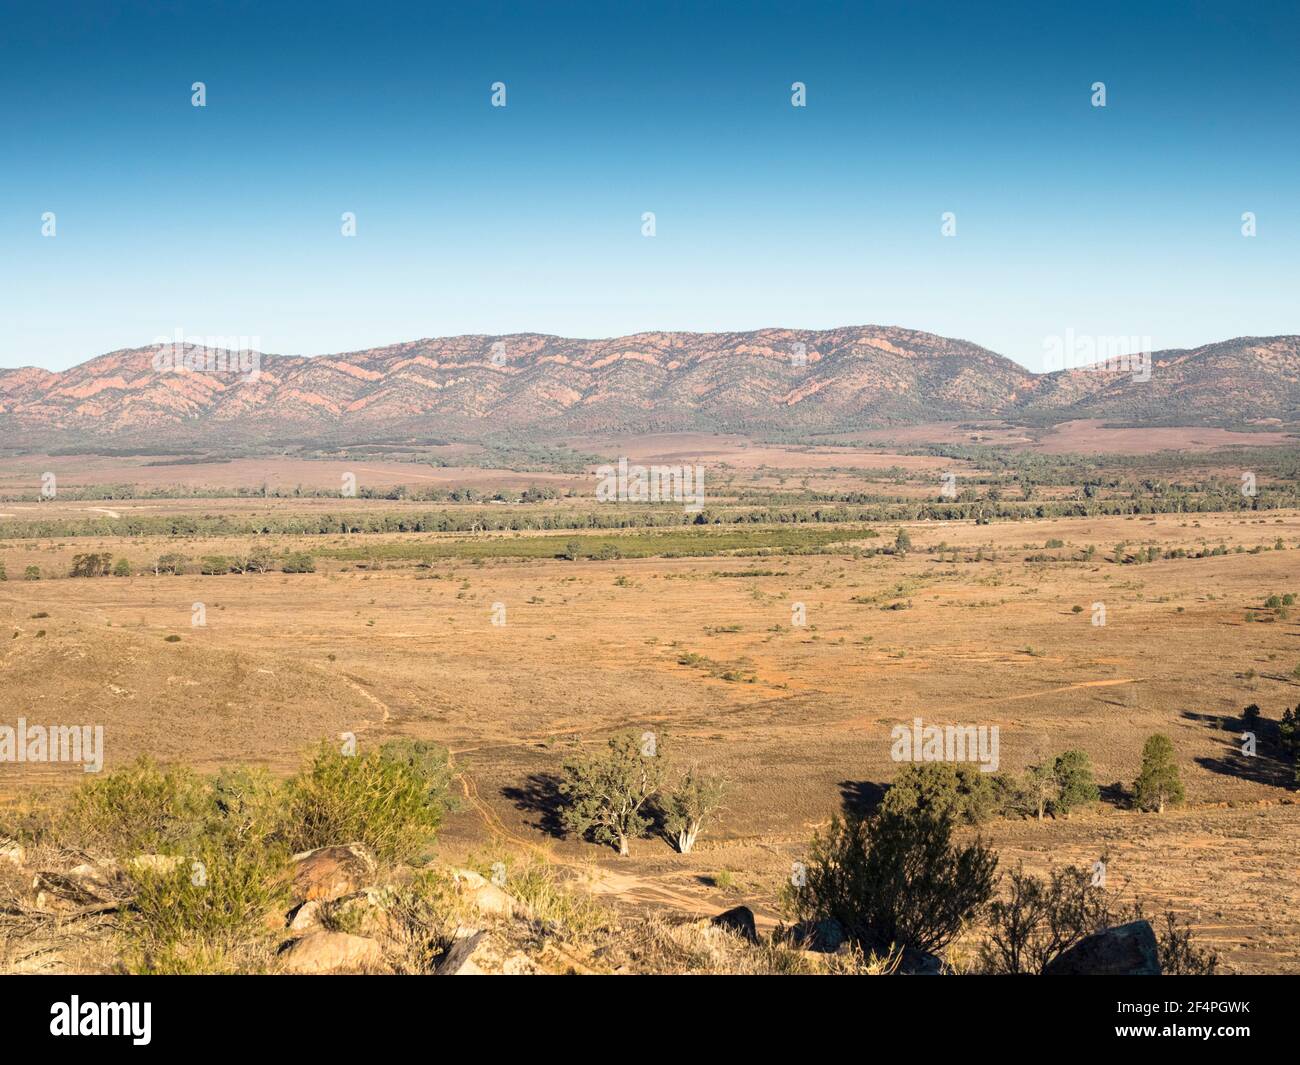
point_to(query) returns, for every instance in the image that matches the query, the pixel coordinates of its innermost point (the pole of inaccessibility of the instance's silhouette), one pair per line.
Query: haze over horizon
(473, 219)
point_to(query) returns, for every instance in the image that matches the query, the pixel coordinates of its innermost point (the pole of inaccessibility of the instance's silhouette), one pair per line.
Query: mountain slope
(770, 379)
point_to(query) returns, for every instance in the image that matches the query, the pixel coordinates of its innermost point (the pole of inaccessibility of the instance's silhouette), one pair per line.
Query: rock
(1128, 950)
(365, 913)
(492, 901)
(13, 853)
(458, 961)
(469, 879)
(486, 897)
(738, 919)
(83, 885)
(329, 952)
(331, 872)
(825, 936)
(918, 963)
(306, 917)
(519, 965)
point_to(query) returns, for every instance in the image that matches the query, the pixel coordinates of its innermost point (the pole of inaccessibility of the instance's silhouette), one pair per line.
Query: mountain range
(538, 387)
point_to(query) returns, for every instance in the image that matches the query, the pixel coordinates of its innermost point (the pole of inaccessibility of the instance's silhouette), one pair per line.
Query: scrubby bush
(957, 789)
(388, 803)
(298, 562)
(208, 913)
(139, 809)
(1289, 735)
(1038, 920)
(895, 880)
(172, 562)
(121, 568)
(93, 564)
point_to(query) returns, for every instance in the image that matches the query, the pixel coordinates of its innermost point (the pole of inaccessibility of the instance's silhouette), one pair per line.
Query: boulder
(520, 964)
(331, 872)
(486, 897)
(918, 963)
(306, 918)
(825, 936)
(738, 919)
(459, 959)
(330, 952)
(1127, 950)
(86, 885)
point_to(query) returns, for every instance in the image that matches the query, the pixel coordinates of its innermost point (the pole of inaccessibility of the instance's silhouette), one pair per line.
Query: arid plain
(780, 663)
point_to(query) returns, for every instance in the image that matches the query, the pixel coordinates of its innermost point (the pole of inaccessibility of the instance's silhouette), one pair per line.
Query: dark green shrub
(895, 880)
(1075, 786)
(1158, 783)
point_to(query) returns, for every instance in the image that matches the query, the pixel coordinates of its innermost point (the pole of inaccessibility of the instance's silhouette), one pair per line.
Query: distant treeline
(543, 519)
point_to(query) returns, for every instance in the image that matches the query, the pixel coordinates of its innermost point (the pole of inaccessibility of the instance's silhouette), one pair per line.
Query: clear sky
(225, 220)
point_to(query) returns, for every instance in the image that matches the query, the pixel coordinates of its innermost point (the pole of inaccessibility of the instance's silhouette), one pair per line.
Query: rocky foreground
(340, 912)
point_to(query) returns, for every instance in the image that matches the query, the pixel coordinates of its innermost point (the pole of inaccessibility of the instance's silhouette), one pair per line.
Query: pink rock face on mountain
(783, 380)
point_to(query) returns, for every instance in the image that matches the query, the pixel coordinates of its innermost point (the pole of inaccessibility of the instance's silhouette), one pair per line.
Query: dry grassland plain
(394, 635)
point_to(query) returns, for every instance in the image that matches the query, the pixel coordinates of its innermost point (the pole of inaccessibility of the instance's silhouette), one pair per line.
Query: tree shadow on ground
(540, 795)
(1268, 765)
(859, 798)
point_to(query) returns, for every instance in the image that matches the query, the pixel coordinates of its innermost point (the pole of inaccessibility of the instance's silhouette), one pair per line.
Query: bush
(208, 913)
(121, 568)
(1289, 735)
(1075, 786)
(139, 809)
(896, 880)
(424, 914)
(1036, 791)
(1038, 920)
(32, 573)
(299, 562)
(956, 789)
(387, 803)
(1178, 955)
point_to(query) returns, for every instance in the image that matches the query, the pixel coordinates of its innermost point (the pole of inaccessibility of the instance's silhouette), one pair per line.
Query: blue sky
(225, 220)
